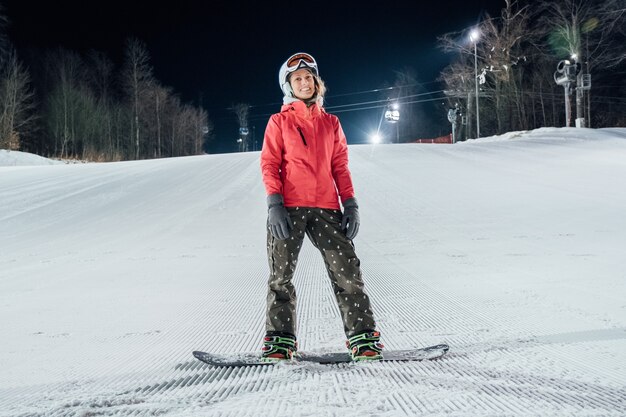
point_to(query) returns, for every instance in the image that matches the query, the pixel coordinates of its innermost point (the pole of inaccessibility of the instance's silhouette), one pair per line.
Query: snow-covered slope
(17, 158)
(510, 249)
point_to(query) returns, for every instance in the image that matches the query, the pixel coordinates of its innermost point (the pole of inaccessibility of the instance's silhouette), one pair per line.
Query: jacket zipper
(302, 136)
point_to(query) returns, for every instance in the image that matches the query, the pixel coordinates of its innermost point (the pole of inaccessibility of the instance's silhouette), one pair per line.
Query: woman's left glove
(350, 221)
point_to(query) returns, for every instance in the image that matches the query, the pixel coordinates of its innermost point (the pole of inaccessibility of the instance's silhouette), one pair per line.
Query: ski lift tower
(565, 75)
(453, 116)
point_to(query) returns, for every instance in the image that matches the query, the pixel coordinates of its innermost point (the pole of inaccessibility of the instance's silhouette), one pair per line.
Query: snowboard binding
(278, 346)
(365, 346)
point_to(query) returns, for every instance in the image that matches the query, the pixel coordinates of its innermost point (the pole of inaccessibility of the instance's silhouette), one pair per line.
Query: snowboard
(254, 359)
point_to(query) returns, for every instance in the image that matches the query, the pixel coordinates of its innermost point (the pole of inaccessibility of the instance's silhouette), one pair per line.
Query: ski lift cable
(370, 104)
(382, 106)
(375, 90)
(385, 100)
(362, 106)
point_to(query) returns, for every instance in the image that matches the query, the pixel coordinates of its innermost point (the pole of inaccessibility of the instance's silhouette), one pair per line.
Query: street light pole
(474, 35)
(477, 108)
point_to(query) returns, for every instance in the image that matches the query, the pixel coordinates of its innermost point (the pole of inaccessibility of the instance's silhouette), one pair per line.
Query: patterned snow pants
(323, 227)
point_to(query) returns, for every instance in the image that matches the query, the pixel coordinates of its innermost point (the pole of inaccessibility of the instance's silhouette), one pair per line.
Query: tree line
(514, 59)
(72, 105)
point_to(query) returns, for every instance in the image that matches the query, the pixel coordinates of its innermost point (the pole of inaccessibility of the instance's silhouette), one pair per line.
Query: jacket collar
(301, 109)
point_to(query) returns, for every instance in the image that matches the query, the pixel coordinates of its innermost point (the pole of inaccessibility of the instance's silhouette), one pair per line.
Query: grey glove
(278, 218)
(350, 221)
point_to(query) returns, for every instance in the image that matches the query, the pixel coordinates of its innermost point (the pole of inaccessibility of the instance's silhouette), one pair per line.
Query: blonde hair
(320, 88)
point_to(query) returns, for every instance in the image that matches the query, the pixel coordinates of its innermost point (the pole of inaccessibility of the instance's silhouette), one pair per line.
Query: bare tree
(503, 55)
(174, 123)
(16, 94)
(137, 77)
(159, 96)
(16, 102)
(100, 77)
(201, 129)
(62, 107)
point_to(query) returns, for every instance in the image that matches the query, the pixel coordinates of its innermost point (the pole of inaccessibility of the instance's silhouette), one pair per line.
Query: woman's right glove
(278, 218)
(350, 220)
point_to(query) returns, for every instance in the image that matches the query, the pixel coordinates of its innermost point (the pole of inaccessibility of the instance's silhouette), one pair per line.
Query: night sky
(219, 53)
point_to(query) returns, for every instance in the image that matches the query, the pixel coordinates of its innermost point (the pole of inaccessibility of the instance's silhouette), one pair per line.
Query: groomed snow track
(191, 276)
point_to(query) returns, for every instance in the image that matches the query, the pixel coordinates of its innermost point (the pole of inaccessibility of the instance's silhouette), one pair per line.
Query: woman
(304, 162)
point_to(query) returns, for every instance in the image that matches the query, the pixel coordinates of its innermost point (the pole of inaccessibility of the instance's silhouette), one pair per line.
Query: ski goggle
(301, 60)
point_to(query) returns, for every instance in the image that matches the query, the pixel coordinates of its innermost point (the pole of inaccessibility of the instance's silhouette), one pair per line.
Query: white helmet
(293, 63)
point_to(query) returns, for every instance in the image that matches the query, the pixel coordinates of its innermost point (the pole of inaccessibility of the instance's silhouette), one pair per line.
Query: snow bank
(17, 158)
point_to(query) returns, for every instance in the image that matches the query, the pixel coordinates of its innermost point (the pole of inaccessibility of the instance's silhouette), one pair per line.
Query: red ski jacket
(305, 157)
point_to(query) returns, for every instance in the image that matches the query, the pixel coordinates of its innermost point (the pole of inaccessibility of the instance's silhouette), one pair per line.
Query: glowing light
(474, 35)
(376, 138)
(392, 116)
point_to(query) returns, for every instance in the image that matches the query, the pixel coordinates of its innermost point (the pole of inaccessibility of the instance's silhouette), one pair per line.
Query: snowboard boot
(278, 346)
(365, 346)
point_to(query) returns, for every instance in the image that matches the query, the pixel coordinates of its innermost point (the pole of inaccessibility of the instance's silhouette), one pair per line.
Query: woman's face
(303, 84)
